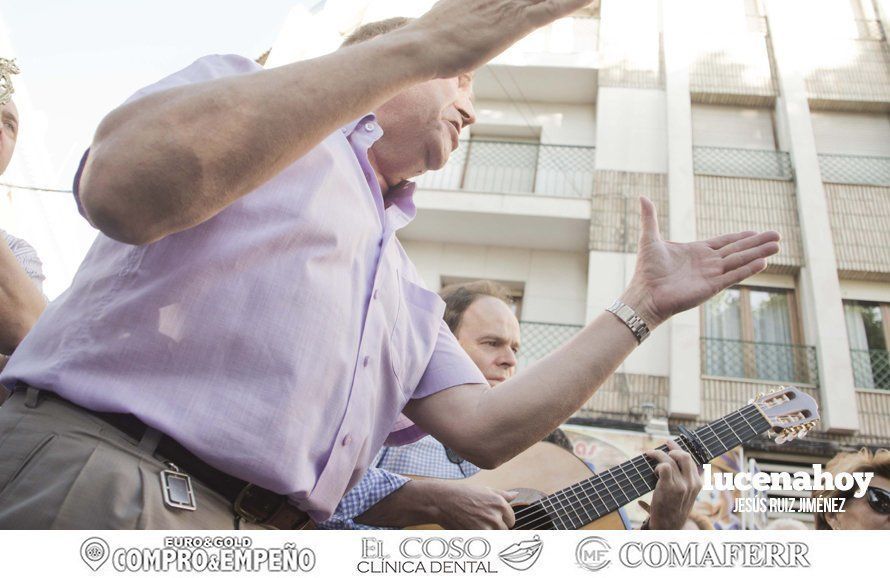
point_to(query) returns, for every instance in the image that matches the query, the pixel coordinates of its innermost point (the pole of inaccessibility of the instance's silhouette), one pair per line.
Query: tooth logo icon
(522, 555)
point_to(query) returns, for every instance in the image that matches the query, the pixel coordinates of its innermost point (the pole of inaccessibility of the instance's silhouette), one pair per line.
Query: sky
(80, 59)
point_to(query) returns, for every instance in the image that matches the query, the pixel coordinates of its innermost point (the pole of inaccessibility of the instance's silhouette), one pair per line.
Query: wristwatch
(630, 318)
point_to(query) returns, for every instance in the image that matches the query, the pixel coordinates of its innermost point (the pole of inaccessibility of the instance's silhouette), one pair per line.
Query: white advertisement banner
(547, 553)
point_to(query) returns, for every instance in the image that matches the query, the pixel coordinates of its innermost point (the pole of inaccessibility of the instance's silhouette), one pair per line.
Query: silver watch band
(630, 318)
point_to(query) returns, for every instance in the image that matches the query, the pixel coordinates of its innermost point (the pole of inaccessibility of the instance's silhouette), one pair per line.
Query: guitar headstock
(791, 413)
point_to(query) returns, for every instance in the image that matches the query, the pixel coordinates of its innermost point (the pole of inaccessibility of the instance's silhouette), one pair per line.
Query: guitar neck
(603, 493)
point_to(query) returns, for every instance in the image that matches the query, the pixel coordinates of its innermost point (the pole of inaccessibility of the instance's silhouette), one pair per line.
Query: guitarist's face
(489, 333)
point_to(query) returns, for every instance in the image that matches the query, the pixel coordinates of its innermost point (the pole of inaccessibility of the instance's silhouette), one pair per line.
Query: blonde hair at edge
(862, 461)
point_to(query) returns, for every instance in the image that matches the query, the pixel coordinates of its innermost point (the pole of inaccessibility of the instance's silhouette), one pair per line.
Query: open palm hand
(673, 277)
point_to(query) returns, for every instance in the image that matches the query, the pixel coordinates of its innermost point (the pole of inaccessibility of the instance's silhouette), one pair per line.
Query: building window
(734, 141)
(869, 334)
(753, 333)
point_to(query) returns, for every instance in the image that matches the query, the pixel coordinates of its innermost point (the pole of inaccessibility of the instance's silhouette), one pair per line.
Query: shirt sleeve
(449, 366)
(202, 70)
(373, 487)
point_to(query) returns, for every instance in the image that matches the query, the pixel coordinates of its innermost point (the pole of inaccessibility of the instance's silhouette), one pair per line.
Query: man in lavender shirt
(241, 339)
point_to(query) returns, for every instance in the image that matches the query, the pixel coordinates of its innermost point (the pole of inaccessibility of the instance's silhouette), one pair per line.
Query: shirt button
(369, 126)
(347, 439)
(375, 293)
(365, 361)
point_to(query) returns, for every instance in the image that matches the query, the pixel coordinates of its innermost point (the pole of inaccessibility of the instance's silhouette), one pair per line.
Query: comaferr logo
(714, 555)
(593, 553)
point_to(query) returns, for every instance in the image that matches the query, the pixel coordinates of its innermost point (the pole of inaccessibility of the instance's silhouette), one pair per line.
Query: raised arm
(490, 425)
(171, 160)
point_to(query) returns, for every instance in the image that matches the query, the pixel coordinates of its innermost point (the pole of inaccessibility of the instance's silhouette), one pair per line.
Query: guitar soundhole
(532, 517)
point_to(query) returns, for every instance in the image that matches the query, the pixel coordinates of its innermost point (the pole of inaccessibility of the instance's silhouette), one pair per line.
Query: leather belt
(252, 503)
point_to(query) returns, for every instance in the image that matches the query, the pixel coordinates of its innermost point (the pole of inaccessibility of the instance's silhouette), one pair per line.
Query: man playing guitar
(479, 315)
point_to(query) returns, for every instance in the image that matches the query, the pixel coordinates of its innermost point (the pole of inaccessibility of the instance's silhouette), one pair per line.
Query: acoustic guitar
(557, 492)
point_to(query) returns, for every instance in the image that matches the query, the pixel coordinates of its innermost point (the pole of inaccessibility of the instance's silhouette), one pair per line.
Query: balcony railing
(539, 339)
(731, 162)
(759, 360)
(871, 368)
(855, 170)
(517, 167)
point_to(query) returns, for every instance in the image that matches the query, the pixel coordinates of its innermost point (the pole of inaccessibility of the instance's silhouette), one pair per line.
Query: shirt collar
(398, 202)
(350, 127)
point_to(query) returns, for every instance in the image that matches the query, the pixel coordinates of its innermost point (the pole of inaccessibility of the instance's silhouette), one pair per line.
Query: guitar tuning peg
(781, 438)
(802, 433)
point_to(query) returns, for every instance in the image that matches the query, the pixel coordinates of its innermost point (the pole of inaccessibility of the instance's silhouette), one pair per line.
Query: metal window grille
(733, 162)
(517, 168)
(871, 368)
(758, 360)
(855, 169)
(539, 339)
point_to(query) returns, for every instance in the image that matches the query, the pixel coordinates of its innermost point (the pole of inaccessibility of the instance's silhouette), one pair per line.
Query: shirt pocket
(414, 333)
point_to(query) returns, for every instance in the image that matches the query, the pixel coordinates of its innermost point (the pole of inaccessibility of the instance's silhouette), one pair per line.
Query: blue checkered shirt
(27, 258)
(425, 457)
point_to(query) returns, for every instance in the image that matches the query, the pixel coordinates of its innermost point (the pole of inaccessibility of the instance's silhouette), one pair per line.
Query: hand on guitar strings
(468, 507)
(679, 482)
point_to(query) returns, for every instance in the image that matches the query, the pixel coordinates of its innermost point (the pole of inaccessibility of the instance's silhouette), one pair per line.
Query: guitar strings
(715, 430)
(559, 508)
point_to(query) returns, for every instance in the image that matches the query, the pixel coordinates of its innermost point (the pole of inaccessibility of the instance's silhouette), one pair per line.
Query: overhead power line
(37, 189)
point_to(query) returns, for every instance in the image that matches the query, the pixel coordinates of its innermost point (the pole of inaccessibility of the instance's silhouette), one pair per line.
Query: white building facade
(730, 115)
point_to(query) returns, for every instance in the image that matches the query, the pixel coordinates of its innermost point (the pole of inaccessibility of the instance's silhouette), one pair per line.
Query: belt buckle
(176, 487)
(252, 508)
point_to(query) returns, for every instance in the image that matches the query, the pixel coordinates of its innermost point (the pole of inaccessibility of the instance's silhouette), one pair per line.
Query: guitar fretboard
(603, 493)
